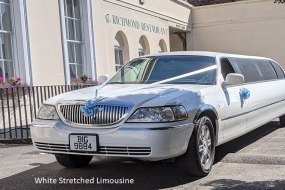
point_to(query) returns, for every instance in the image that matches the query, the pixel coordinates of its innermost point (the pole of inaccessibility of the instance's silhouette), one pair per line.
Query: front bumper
(142, 141)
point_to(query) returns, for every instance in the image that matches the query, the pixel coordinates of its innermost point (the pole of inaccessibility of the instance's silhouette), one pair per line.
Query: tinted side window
(267, 72)
(278, 69)
(226, 67)
(254, 70)
(247, 68)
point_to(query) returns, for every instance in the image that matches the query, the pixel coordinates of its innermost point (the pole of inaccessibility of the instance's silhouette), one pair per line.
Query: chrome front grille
(109, 114)
(104, 150)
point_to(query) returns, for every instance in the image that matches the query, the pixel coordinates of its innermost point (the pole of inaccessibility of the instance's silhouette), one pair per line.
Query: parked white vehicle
(164, 106)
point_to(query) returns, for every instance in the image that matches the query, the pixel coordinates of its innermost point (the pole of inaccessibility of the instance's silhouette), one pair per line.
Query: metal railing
(19, 106)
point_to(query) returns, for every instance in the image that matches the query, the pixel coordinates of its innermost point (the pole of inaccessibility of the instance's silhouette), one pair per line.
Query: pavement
(253, 161)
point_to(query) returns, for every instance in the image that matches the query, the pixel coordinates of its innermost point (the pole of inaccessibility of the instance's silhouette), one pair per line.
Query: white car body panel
(166, 140)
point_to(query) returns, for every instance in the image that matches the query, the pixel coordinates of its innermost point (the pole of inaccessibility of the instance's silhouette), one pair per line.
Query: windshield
(154, 69)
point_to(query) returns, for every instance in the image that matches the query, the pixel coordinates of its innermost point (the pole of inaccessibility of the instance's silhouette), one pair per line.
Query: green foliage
(84, 78)
(211, 2)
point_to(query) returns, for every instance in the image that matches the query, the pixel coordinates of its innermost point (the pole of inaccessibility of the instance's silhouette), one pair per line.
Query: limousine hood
(139, 95)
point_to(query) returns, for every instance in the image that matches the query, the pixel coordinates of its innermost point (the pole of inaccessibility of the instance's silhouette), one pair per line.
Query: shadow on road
(241, 185)
(146, 175)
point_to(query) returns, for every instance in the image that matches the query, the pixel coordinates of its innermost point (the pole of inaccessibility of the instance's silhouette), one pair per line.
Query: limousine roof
(205, 53)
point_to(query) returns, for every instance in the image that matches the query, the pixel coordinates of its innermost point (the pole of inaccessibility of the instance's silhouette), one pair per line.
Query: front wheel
(199, 158)
(73, 161)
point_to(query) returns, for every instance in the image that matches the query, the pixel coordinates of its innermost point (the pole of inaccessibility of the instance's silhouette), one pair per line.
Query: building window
(119, 58)
(14, 48)
(7, 68)
(143, 46)
(141, 52)
(121, 50)
(77, 38)
(72, 14)
(162, 46)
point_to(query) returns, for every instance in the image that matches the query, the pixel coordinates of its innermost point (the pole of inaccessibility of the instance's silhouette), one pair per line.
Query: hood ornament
(96, 93)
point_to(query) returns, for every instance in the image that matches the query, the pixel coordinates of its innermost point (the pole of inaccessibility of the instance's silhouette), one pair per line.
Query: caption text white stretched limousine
(164, 106)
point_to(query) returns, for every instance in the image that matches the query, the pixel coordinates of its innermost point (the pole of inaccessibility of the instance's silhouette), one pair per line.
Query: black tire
(282, 120)
(73, 161)
(190, 162)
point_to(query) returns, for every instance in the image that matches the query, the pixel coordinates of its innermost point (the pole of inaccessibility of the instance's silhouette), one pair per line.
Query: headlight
(159, 114)
(47, 112)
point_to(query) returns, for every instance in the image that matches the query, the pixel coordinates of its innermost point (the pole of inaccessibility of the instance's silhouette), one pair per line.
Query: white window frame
(142, 47)
(142, 52)
(118, 62)
(88, 49)
(20, 41)
(12, 39)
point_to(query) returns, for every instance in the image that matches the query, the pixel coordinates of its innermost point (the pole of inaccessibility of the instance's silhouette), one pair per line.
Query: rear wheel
(282, 120)
(73, 161)
(199, 158)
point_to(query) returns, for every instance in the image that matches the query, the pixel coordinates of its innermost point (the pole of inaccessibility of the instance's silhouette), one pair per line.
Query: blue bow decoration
(244, 94)
(90, 108)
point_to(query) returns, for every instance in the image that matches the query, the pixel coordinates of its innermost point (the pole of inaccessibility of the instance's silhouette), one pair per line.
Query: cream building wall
(45, 42)
(254, 27)
(160, 13)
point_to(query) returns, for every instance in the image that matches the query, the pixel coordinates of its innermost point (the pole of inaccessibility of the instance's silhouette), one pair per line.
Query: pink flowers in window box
(83, 80)
(12, 87)
(14, 81)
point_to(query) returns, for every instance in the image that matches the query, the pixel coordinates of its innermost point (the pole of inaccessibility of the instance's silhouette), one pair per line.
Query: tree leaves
(209, 2)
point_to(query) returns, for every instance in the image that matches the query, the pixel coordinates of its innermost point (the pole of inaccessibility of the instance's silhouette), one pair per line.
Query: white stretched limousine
(164, 106)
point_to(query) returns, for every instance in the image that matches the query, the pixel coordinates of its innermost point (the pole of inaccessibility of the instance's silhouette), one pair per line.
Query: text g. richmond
(93, 180)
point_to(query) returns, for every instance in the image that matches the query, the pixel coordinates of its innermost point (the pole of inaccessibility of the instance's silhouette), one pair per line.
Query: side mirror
(102, 79)
(233, 79)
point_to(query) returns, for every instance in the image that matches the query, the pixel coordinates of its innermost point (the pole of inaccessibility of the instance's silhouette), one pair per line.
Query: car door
(266, 96)
(260, 80)
(235, 117)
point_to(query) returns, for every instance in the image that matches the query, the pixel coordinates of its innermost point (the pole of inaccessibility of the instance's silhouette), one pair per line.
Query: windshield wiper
(117, 82)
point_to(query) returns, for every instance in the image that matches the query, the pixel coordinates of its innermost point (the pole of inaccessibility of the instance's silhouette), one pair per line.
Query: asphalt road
(253, 161)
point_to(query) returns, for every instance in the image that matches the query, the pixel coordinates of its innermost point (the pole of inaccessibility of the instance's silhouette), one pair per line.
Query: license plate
(85, 143)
